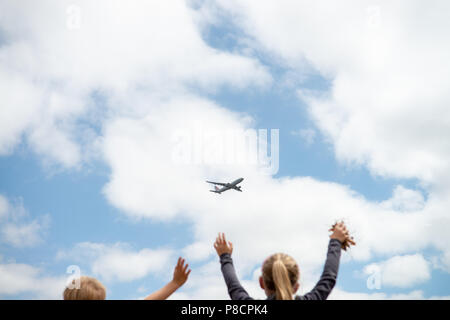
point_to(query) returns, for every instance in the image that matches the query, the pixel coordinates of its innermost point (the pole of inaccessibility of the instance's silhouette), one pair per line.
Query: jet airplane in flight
(226, 186)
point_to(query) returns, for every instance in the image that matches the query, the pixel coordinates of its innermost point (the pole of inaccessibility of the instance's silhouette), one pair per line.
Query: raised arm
(180, 276)
(224, 250)
(331, 268)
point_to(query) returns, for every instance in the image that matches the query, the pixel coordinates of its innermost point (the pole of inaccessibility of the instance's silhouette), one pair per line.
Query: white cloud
(374, 114)
(386, 107)
(443, 261)
(17, 229)
(440, 298)
(146, 182)
(413, 295)
(405, 200)
(118, 262)
(402, 271)
(387, 103)
(338, 294)
(116, 49)
(22, 279)
(215, 288)
(198, 251)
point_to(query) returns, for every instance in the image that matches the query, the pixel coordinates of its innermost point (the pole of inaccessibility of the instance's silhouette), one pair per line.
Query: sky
(113, 114)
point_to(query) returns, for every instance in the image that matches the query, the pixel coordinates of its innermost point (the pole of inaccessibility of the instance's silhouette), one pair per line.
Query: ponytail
(280, 274)
(281, 281)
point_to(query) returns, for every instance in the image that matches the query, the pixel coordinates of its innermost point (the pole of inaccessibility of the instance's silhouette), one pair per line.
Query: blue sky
(89, 152)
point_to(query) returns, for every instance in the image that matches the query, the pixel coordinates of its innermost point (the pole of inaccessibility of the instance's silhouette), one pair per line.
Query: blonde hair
(280, 274)
(90, 289)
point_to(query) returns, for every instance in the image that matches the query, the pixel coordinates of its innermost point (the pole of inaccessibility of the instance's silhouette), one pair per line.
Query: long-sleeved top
(320, 292)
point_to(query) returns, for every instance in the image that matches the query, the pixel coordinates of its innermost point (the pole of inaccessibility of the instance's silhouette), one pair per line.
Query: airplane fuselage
(227, 186)
(237, 181)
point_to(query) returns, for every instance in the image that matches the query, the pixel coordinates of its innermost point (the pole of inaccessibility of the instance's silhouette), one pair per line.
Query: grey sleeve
(235, 290)
(329, 274)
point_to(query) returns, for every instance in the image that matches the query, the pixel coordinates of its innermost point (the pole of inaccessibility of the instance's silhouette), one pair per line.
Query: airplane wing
(224, 189)
(218, 183)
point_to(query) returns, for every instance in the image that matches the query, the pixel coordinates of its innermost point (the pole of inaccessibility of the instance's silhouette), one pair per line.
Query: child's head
(90, 289)
(280, 276)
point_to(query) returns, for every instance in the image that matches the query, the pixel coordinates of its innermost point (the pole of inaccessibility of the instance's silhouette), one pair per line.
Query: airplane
(226, 186)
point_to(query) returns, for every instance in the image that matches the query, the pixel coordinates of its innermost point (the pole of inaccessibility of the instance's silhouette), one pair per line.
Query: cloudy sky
(114, 113)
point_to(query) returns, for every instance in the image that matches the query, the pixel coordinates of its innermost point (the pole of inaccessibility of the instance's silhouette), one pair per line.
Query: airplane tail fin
(216, 190)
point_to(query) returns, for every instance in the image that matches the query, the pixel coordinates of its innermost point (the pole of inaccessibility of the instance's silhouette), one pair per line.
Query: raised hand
(341, 233)
(222, 246)
(180, 276)
(181, 272)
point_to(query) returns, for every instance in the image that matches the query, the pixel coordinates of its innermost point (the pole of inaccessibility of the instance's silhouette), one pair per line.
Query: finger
(179, 263)
(185, 268)
(188, 273)
(231, 245)
(224, 239)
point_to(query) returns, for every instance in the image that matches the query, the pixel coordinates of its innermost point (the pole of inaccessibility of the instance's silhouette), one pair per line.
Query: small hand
(181, 272)
(222, 246)
(341, 233)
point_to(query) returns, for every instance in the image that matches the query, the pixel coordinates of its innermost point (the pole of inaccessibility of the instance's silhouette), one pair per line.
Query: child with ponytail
(280, 272)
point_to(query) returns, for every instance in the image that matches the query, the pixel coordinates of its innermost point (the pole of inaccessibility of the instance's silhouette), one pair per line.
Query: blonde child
(92, 289)
(280, 272)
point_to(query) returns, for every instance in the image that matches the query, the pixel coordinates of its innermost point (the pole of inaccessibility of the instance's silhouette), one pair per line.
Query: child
(92, 289)
(280, 273)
